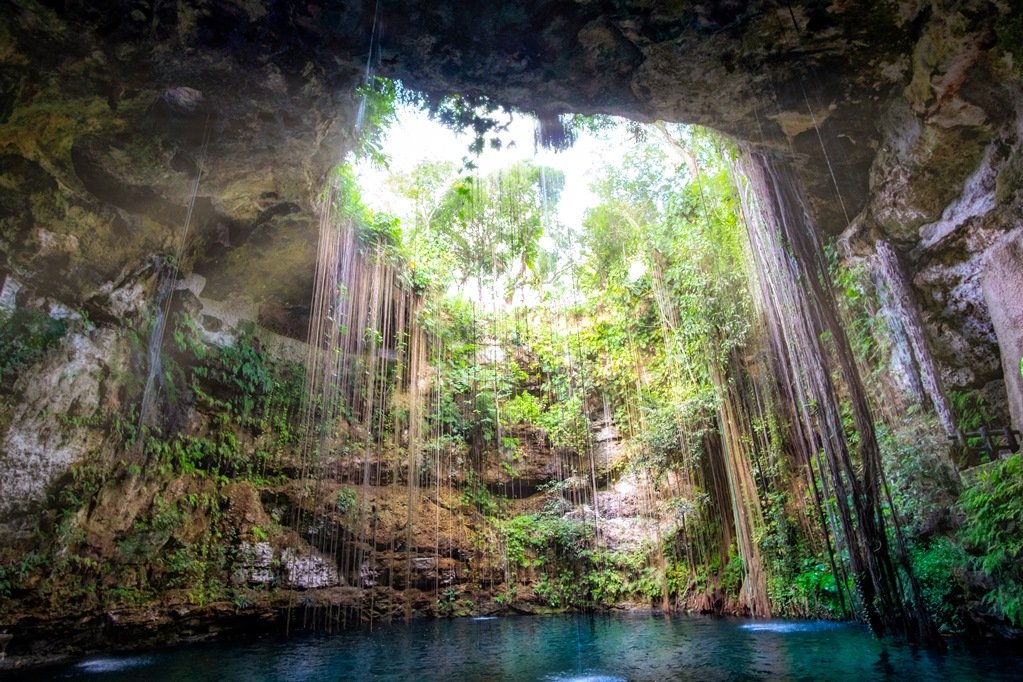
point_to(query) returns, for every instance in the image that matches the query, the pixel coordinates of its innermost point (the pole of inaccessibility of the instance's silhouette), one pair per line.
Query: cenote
(451, 340)
(615, 648)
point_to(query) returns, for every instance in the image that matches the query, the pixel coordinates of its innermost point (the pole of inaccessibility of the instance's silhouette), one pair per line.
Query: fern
(994, 518)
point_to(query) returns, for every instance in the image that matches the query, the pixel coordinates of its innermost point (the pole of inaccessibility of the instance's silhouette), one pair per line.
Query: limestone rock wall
(1003, 291)
(947, 216)
(60, 419)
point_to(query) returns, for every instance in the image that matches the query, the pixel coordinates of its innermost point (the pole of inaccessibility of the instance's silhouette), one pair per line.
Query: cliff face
(902, 120)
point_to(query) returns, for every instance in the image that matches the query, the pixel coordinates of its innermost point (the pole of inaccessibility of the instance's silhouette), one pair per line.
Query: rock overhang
(102, 110)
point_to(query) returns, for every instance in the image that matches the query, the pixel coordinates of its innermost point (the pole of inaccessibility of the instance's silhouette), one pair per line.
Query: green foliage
(347, 196)
(346, 502)
(451, 604)
(476, 495)
(239, 384)
(972, 413)
(596, 123)
(490, 227)
(815, 591)
(940, 566)
(606, 582)
(732, 577)
(524, 408)
(25, 336)
(150, 533)
(175, 544)
(569, 571)
(507, 597)
(678, 576)
(1009, 32)
(868, 332)
(124, 596)
(672, 434)
(378, 232)
(14, 575)
(662, 438)
(475, 114)
(247, 374)
(180, 543)
(923, 484)
(446, 601)
(379, 98)
(970, 408)
(566, 424)
(220, 456)
(187, 336)
(664, 270)
(800, 582)
(472, 388)
(994, 516)
(380, 229)
(561, 589)
(535, 540)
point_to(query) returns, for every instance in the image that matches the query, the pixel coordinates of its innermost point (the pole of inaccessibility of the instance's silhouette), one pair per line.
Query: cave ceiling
(107, 108)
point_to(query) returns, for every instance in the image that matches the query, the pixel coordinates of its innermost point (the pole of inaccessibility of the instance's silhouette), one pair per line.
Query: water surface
(559, 649)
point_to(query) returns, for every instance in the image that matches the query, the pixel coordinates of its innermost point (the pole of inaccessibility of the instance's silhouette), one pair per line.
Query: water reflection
(789, 626)
(558, 649)
(109, 665)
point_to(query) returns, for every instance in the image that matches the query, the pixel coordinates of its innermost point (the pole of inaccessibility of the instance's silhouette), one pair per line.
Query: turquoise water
(559, 649)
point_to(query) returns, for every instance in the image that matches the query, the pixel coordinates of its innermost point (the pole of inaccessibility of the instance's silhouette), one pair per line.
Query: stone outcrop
(308, 571)
(55, 422)
(255, 564)
(1003, 291)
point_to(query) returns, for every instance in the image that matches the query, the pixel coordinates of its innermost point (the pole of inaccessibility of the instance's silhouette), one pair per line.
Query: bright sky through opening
(414, 137)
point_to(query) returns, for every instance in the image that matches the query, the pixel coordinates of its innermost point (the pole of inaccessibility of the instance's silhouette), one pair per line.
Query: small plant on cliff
(347, 502)
(1009, 32)
(25, 336)
(972, 413)
(15, 574)
(449, 604)
(246, 371)
(566, 425)
(524, 408)
(477, 495)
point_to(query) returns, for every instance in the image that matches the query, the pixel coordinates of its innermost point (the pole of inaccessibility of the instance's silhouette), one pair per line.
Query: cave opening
(675, 236)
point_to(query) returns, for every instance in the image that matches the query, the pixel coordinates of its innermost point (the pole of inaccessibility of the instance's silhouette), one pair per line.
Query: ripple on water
(788, 627)
(583, 677)
(113, 665)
